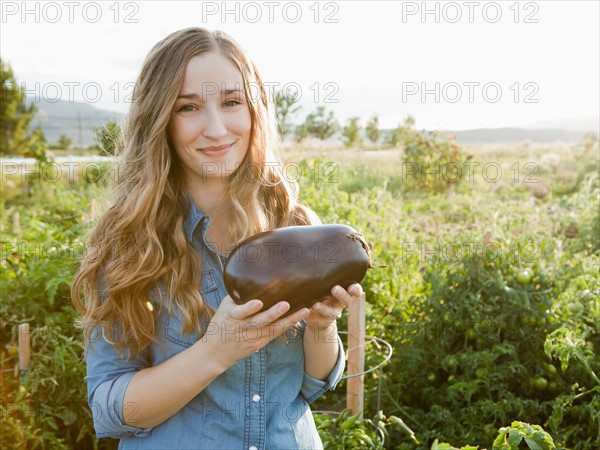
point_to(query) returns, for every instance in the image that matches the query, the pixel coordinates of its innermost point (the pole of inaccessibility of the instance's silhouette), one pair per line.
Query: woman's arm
(321, 343)
(321, 349)
(156, 393)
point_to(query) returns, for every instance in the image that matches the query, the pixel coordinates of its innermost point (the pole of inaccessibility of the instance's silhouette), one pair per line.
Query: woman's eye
(186, 108)
(232, 103)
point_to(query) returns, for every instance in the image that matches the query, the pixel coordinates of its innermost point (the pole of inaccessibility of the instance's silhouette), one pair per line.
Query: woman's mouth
(215, 152)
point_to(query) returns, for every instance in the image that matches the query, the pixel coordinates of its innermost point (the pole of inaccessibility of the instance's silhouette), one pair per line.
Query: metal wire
(387, 358)
(377, 367)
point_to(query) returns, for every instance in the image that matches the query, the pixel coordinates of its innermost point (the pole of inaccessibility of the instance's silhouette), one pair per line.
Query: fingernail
(317, 306)
(337, 290)
(283, 307)
(304, 313)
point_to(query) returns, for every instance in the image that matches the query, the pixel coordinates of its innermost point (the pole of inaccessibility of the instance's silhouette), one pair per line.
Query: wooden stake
(24, 349)
(16, 223)
(356, 356)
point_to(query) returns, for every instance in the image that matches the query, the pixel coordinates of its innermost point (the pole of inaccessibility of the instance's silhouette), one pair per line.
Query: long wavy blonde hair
(139, 241)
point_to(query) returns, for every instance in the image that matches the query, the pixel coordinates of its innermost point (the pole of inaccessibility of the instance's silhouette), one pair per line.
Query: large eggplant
(298, 264)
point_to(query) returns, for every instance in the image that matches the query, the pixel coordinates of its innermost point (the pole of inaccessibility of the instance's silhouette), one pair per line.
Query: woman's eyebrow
(196, 96)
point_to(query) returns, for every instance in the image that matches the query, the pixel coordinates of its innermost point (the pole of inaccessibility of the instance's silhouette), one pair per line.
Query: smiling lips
(216, 151)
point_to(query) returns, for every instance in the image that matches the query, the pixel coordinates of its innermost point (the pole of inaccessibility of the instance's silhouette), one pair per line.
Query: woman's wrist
(320, 330)
(214, 362)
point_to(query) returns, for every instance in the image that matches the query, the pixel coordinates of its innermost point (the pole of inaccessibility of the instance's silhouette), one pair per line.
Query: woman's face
(210, 123)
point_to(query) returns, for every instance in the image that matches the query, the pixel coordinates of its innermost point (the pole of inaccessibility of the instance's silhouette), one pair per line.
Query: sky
(451, 65)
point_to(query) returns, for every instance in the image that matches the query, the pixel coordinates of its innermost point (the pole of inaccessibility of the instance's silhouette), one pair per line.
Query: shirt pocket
(209, 291)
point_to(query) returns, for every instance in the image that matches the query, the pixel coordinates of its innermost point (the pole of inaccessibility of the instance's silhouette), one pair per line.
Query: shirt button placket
(257, 421)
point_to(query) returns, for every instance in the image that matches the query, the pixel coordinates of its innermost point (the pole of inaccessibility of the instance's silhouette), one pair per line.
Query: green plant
(284, 102)
(320, 124)
(15, 115)
(534, 436)
(107, 138)
(372, 129)
(351, 132)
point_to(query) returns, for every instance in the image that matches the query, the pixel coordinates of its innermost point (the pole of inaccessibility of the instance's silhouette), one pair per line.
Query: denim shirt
(261, 402)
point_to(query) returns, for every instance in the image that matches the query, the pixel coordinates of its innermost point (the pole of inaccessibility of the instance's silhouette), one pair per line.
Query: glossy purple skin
(298, 264)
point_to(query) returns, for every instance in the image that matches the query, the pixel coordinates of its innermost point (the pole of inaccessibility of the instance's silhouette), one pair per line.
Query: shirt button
(253, 448)
(255, 399)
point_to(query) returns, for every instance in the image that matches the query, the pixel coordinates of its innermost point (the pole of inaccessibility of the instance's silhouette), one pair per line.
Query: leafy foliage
(15, 116)
(372, 129)
(284, 110)
(320, 124)
(351, 132)
(492, 310)
(107, 138)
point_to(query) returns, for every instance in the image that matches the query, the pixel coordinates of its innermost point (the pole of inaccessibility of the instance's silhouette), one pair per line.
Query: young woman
(172, 361)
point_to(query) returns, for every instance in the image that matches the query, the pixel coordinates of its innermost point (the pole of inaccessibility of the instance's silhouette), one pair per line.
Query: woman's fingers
(355, 290)
(240, 312)
(327, 311)
(252, 310)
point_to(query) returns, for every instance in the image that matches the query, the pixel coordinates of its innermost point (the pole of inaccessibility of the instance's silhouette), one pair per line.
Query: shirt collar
(194, 217)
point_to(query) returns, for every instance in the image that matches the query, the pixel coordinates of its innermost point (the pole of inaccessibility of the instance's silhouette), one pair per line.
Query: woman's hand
(328, 310)
(238, 331)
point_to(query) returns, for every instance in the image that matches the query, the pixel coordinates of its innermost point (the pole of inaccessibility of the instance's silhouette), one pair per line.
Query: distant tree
(107, 138)
(284, 110)
(402, 132)
(300, 132)
(14, 115)
(320, 124)
(409, 122)
(38, 135)
(64, 142)
(351, 132)
(38, 147)
(372, 129)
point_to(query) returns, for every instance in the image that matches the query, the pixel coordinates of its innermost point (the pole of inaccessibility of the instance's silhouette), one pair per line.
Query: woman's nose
(214, 126)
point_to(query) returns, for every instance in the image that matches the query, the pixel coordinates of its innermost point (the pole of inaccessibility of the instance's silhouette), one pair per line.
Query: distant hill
(493, 135)
(78, 120)
(583, 123)
(75, 119)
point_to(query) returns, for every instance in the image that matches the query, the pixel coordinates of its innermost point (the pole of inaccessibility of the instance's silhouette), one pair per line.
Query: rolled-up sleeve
(313, 388)
(108, 375)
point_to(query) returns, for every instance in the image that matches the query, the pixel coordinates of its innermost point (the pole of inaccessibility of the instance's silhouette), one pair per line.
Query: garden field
(490, 298)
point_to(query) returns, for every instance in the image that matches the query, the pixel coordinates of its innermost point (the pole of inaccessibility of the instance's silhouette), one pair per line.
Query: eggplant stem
(367, 246)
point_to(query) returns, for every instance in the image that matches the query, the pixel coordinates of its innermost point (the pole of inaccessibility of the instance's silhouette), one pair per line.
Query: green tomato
(553, 385)
(448, 318)
(540, 383)
(550, 369)
(528, 320)
(524, 276)
(450, 363)
(431, 377)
